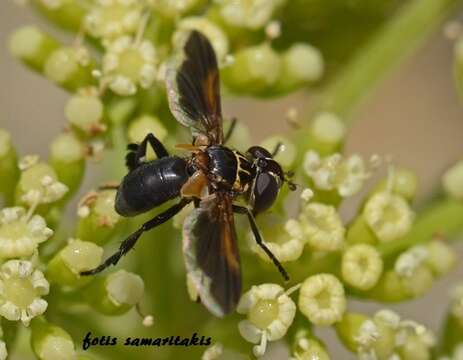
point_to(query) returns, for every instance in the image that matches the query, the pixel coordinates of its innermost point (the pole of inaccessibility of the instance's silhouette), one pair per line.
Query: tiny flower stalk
(70, 67)
(98, 221)
(9, 171)
(116, 293)
(67, 157)
(32, 46)
(51, 342)
(65, 267)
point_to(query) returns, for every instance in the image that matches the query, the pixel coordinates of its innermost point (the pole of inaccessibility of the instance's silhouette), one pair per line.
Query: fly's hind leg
(137, 153)
(130, 242)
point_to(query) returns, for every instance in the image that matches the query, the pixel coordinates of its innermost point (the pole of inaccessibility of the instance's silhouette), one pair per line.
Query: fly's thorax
(229, 169)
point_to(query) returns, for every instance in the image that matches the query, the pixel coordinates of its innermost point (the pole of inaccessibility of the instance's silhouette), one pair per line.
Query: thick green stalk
(398, 37)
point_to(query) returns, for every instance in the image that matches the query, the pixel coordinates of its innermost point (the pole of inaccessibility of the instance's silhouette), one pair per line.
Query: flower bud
(109, 19)
(453, 180)
(322, 299)
(361, 266)
(116, 293)
(85, 113)
(254, 70)
(308, 347)
(388, 215)
(301, 64)
(270, 312)
(51, 342)
(67, 14)
(22, 288)
(9, 172)
(404, 183)
(77, 256)
(327, 133)
(32, 46)
(253, 14)
(70, 67)
(67, 159)
(322, 227)
(441, 257)
(20, 233)
(98, 220)
(38, 184)
(128, 65)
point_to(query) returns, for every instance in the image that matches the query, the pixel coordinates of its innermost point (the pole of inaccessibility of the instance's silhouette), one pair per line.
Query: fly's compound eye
(265, 191)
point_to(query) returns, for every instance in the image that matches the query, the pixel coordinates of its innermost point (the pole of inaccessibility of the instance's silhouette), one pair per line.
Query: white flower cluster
(128, 64)
(334, 172)
(386, 336)
(252, 14)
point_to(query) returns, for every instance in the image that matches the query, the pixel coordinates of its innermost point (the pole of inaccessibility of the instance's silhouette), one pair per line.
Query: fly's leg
(137, 153)
(258, 237)
(130, 242)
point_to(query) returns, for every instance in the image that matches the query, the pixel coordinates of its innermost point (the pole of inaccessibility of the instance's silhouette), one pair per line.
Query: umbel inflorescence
(114, 71)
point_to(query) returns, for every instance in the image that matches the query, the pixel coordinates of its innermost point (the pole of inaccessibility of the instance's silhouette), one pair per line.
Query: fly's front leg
(258, 237)
(130, 242)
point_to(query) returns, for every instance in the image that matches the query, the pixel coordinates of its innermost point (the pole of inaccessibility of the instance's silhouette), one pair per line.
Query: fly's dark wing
(211, 254)
(193, 88)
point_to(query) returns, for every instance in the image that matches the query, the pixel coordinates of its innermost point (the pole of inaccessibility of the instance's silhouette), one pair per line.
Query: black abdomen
(150, 185)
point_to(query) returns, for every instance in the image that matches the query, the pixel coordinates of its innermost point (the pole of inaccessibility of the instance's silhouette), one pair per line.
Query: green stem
(399, 36)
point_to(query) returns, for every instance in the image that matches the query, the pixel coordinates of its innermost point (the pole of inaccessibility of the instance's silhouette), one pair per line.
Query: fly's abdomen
(150, 185)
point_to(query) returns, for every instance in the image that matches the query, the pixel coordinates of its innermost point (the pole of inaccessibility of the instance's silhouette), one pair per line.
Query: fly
(213, 176)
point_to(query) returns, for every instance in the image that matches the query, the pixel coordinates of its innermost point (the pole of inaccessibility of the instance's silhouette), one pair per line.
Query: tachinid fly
(211, 177)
